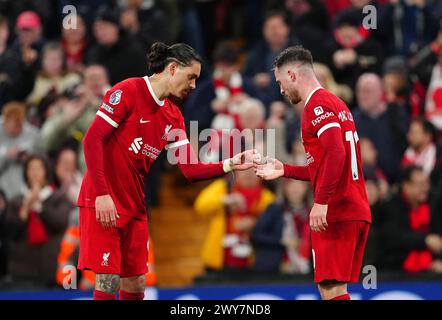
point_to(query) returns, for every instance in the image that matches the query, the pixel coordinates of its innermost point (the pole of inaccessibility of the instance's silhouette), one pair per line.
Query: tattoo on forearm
(108, 283)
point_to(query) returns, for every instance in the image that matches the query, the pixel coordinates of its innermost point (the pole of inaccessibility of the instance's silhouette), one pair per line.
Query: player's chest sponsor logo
(105, 262)
(138, 146)
(115, 97)
(322, 117)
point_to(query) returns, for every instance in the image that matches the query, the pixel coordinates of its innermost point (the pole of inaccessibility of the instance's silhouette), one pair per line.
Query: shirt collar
(311, 93)
(152, 93)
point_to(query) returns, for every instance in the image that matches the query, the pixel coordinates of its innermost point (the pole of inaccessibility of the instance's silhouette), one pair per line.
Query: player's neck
(307, 89)
(159, 86)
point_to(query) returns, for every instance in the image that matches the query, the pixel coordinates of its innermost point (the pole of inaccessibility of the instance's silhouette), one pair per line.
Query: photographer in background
(75, 114)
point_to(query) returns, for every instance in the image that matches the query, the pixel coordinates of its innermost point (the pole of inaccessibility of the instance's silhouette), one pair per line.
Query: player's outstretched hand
(106, 213)
(318, 217)
(268, 168)
(243, 160)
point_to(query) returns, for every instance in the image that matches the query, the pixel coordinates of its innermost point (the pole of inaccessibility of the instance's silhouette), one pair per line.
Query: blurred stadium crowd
(52, 80)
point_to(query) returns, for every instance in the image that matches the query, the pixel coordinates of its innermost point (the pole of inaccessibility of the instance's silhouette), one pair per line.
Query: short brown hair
(295, 54)
(15, 111)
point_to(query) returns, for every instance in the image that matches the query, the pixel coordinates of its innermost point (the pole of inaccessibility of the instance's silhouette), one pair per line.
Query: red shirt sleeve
(296, 172)
(98, 132)
(180, 152)
(113, 111)
(195, 170)
(331, 140)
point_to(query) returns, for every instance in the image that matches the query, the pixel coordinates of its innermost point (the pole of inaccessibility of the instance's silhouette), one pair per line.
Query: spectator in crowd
(247, 117)
(375, 199)
(293, 125)
(53, 74)
(371, 168)
(406, 26)
(336, 6)
(9, 65)
(3, 238)
(374, 195)
(298, 153)
(311, 13)
(327, 81)
(433, 103)
(67, 176)
(422, 149)
(68, 181)
(190, 28)
(122, 55)
(222, 92)
(27, 46)
(276, 37)
(233, 206)
(400, 93)
(36, 221)
(353, 52)
(76, 113)
(74, 43)
(276, 122)
(436, 203)
(147, 21)
(310, 25)
(407, 243)
(423, 61)
(281, 236)
(385, 127)
(251, 115)
(29, 31)
(17, 139)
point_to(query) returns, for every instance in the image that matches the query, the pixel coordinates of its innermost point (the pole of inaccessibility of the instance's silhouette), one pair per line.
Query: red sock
(124, 295)
(342, 297)
(100, 295)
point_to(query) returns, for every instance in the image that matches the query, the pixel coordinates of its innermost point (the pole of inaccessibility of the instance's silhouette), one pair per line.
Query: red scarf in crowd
(225, 90)
(419, 219)
(252, 198)
(36, 231)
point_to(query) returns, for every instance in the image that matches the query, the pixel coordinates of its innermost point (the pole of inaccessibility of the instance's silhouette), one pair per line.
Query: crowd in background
(52, 80)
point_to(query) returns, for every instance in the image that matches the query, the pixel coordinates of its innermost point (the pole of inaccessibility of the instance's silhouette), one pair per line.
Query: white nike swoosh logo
(144, 121)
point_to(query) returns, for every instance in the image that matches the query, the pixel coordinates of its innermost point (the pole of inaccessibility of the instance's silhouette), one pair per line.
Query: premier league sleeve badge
(115, 97)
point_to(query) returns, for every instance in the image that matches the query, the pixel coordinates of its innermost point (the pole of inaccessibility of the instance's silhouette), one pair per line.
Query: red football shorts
(338, 251)
(121, 250)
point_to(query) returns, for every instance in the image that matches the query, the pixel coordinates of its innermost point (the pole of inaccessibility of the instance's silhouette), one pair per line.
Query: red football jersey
(323, 110)
(145, 125)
